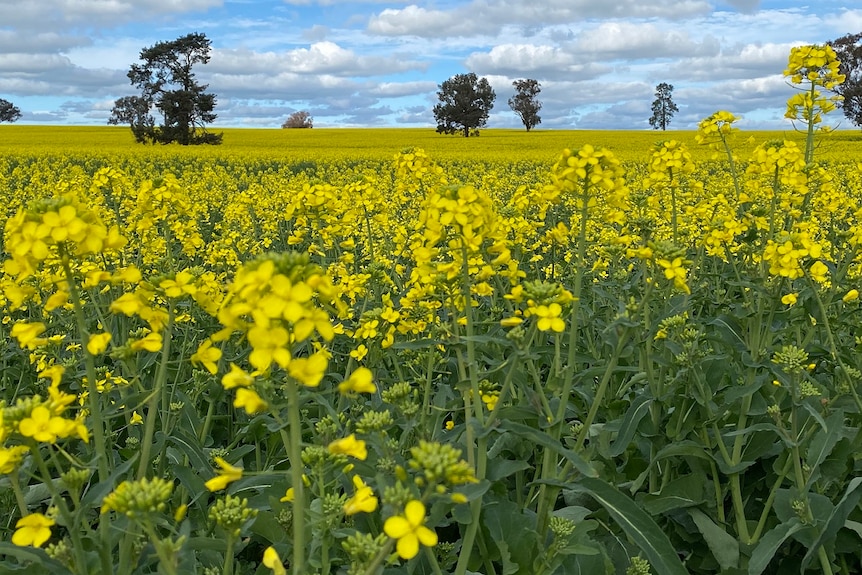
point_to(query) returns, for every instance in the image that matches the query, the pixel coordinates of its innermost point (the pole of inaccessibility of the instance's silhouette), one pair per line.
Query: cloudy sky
(379, 63)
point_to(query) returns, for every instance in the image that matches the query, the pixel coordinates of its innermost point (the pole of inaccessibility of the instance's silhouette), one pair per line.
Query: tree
(848, 49)
(663, 107)
(8, 111)
(167, 83)
(300, 119)
(465, 102)
(525, 104)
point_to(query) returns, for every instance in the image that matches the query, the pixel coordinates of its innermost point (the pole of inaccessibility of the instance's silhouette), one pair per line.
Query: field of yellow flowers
(366, 352)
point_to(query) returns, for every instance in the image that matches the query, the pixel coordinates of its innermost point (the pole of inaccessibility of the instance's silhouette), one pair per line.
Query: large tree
(525, 102)
(168, 85)
(465, 102)
(8, 111)
(848, 49)
(663, 107)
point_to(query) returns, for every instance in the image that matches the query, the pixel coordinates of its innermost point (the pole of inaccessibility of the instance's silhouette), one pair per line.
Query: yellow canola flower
(349, 446)
(136, 419)
(249, 400)
(674, 270)
(236, 377)
(269, 345)
(851, 295)
(54, 373)
(549, 317)
(28, 334)
(227, 475)
(362, 501)
(152, 342)
(289, 495)
(33, 529)
(98, 343)
(273, 561)
(208, 356)
(819, 272)
(789, 299)
(45, 427)
(10, 458)
(409, 530)
(360, 381)
(309, 370)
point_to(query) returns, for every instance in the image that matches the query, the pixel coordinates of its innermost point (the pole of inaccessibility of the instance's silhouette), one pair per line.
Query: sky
(380, 63)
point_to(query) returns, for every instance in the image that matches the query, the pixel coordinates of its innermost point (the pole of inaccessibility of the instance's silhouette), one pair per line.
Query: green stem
(19, 495)
(167, 562)
(295, 456)
(227, 569)
(379, 558)
(68, 519)
(155, 399)
(767, 506)
(93, 395)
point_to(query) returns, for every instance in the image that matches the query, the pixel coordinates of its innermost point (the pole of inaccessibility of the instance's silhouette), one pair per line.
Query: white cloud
(319, 58)
(401, 89)
(489, 17)
(60, 14)
(634, 41)
(534, 61)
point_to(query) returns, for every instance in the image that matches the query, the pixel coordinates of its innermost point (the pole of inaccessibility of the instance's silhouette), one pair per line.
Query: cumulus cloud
(319, 58)
(488, 17)
(630, 40)
(60, 14)
(536, 61)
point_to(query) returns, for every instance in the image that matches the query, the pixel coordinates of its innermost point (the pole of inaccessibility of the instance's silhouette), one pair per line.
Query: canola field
(389, 351)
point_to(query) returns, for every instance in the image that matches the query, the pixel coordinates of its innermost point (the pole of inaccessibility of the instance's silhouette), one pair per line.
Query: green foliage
(525, 102)
(8, 111)
(167, 83)
(663, 107)
(465, 103)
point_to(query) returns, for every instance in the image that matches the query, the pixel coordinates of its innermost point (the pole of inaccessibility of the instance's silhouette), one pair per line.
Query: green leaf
(724, 547)
(638, 409)
(513, 532)
(837, 519)
(32, 555)
(500, 468)
(685, 491)
(545, 440)
(769, 544)
(188, 446)
(636, 523)
(824, 442)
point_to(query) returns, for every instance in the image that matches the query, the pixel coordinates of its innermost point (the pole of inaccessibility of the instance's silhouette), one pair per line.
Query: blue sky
(379, 63)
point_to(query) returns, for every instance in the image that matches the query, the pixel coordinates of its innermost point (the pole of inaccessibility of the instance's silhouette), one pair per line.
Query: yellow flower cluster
(815, 63)
(787, 256)
(55, 229)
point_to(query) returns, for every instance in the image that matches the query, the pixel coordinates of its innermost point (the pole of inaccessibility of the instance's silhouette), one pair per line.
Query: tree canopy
(525, 102)
(300, 119)
(848, 49)
(663, 107)
(8, 111)
(167, 83)
(465, 103)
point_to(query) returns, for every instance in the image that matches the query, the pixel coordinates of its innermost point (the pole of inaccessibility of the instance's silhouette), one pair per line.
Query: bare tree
(300, 119)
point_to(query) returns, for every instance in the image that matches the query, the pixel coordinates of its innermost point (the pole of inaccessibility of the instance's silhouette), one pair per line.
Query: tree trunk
(466, 132)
